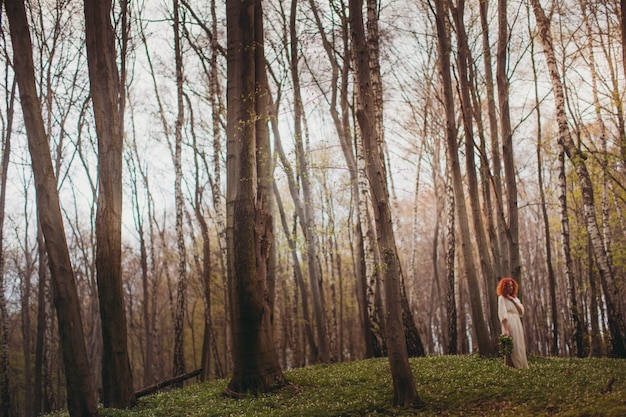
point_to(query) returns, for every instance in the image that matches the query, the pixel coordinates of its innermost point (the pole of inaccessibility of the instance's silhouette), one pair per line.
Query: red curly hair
(507, 286)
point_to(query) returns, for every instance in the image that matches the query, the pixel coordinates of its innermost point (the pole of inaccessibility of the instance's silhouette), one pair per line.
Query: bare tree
(485, 346)
(81, 398)
(106, 96)
(405, 391)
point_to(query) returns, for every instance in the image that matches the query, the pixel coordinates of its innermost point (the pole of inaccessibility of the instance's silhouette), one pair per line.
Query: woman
(510, 309)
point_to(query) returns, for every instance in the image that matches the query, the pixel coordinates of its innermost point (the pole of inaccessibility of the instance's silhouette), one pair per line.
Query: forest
(234, 189)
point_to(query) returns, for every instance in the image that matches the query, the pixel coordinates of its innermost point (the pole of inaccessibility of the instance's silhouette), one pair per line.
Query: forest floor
(447, 385)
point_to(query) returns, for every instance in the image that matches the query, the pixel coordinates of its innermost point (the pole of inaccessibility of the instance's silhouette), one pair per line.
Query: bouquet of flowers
(505, 345)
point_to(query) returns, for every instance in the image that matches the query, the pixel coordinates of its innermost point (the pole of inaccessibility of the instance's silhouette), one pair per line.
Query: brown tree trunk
(502, 82)
(403, 382)
(4, 316)
(81, 397)
(307, 218)
(452, 348)
(339, 98)
(544, 213)
(249, 223)
(483, 248)
(106, 93)
(615, 317)
(181, 287)
(485, 346)
(496, 225)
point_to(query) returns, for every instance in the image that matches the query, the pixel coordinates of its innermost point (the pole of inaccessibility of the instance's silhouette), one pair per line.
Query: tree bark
(403, 382)
(81, 397)
(483, 248)
(502, 82)
(554, 348)
(106, 93)
(452, 348)
(181, 287)
(485, 346)
(249, 223)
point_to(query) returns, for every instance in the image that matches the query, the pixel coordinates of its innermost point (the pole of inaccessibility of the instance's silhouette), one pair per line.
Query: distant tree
(4, 315)
(249, 222)
(81, 396)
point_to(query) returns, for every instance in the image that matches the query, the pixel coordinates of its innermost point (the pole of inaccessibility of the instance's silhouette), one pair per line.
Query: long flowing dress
(508, 311)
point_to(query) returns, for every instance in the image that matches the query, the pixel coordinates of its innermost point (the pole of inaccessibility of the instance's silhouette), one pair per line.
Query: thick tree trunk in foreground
(249, 223)
(81, 396)
(404, 388)
(614, 315)
(117, 379)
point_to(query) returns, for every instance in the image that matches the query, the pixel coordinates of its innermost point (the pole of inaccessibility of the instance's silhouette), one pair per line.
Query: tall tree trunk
(249, 223)
(485, 346)
(413, 340)
(567, 258)
(483, 249)
(4, 316)
(502, 82)
(307, 218)
(81, 395)
(403, 382)
(544, 211)
(181, 288)
(43, 399)
(610, 290)
(452, 348)
(340, 112)
(496, 225)
(106, 95)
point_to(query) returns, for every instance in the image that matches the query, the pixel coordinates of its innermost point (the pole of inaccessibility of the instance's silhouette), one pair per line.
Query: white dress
(508, 311)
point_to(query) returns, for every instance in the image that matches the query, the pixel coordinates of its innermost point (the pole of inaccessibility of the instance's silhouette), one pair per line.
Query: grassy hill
(448, 385)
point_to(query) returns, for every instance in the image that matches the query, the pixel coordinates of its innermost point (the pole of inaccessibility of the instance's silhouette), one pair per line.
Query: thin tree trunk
(567, 258)
(181, 288)
(306, 212)
(483, 248)
(452, 348)
(4, 316)
(502, 82)
(404, 384)
(485, 346)
(615, 317)
(81, 397)
(544, 212)
(106, 95)
(496, 225)
(339, 98)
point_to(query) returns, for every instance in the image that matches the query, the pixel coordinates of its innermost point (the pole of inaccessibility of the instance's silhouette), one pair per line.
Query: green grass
(448, 385)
